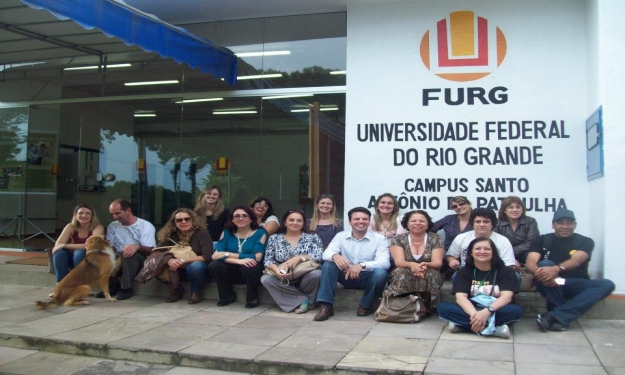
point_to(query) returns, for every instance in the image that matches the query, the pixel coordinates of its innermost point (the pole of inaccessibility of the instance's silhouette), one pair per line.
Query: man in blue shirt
(356, 258)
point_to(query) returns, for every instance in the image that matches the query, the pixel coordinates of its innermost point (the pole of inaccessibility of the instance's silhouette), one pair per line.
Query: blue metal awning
(117, 19)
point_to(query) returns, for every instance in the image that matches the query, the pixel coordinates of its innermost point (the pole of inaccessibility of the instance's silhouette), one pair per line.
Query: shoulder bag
(296, 273)
(177, 250)
(405, 309)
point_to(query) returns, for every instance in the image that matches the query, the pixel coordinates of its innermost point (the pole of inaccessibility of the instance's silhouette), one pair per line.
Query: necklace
(415, 243)
(241, 243)
(483, 280)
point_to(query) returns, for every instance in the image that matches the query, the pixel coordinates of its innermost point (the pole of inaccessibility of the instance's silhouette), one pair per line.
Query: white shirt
(458, 248)
(141, 233)
(372, 249)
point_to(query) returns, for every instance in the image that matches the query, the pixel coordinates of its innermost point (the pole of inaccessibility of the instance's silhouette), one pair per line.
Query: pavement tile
(100, 306)
(156, 314)
(492, 350)
(602, 325)
(48, 364)
(232, 351)
(226, 318)
(183, 330)
(555, 354)
(52, 325)
(181, 370)
(107, 367)
(284, 355)
(549, 369)
(427, 329)
(356, 361)
(273, 322)
(437, 366)
(615, 370)
(609, 347)
(527, 332)
(10, 303)
(8, 354)
(183, 304)
(25, 314)
(108, 331)
(254, 336)
(395, 346)
(320, 340)
(358, 328)
(10, 290)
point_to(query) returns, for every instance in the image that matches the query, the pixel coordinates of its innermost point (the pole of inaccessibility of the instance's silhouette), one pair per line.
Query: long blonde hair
(94, 217)
(377, 217)
(197, 221)
(334, 217)
(200, 204)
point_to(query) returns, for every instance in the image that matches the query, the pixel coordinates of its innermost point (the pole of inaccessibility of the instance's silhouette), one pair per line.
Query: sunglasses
(181, 219)
(454, 206)
(242, 216)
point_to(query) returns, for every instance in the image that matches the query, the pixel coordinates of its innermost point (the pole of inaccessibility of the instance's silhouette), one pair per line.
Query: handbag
(405, 309)
(527, 281)
(293, 275)
(177, 250)
(482, 301)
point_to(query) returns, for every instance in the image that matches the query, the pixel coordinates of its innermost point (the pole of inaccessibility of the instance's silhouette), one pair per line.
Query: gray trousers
(130, 269)
(289, 297)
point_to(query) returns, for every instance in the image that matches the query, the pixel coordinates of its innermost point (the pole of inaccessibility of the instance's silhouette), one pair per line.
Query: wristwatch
(562, 268)
(490, 308)
(363, 265)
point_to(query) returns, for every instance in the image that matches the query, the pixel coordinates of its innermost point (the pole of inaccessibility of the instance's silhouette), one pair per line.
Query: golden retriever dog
(99, 264)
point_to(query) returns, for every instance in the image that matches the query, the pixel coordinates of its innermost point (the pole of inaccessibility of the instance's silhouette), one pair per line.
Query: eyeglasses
(259, 204)
(181, 219)
(242, 216)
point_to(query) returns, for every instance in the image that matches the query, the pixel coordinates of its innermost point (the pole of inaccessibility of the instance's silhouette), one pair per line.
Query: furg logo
(462, 48)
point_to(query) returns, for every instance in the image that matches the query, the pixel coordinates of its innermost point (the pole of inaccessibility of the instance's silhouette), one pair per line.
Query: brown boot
(194, 298)
(324, 313)
(176, 291)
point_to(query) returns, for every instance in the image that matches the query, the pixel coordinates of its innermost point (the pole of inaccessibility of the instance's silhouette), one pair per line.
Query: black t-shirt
(215, 227)
(471, 281)
(559, 250)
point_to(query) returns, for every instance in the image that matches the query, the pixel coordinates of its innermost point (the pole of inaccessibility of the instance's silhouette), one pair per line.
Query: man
(358, 259)
(559, 262)
(483, 221)
(133, 239)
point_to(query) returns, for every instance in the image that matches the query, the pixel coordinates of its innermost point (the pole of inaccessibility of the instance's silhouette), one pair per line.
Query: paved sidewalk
(267, 340)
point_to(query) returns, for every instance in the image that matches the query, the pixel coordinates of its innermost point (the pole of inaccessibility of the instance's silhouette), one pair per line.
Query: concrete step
(532, 302)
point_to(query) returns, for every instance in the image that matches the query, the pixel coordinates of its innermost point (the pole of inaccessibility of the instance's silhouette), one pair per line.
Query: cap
(562, 213)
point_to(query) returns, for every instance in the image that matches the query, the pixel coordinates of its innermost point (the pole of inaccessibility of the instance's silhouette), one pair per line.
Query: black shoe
(113, 290)
(556, 326)
(226, 302)
(544, 321)
(251, 305)
(124, 294)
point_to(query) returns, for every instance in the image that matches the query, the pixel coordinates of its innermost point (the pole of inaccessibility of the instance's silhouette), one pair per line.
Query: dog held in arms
(99, 264)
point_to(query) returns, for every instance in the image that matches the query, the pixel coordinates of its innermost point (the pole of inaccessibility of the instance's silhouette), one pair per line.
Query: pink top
(76, 240)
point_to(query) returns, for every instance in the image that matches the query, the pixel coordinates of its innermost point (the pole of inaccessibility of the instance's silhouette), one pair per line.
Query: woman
(517, 227)
(187, 228)
(325, 221)
(238, 257)
(211, 205)
(291, 245)
(265, 218)
(418, 256)
(484, 273)
(386, 220)
(456, 223)
(69, 249)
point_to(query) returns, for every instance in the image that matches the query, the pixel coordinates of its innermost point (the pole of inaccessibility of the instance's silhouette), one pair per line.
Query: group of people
(400, 253)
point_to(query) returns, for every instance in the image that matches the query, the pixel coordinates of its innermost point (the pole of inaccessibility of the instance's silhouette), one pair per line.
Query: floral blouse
(280, 250)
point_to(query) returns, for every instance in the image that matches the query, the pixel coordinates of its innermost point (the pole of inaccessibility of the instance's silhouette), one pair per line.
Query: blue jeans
(372, 282)
(65, 260)
(571, 300)
(195, 273)
(452, 312)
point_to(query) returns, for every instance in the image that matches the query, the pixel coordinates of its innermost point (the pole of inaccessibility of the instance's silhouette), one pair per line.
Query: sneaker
(454, 328)
(544, 321)
(502, 331)
(556, 326)
(124, 294)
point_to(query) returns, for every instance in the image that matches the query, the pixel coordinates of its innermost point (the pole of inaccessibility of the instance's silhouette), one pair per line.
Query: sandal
(303, 308)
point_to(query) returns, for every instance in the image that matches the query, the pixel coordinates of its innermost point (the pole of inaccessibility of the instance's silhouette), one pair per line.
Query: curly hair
(198, 223)
(483, 212)
(268, 203)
